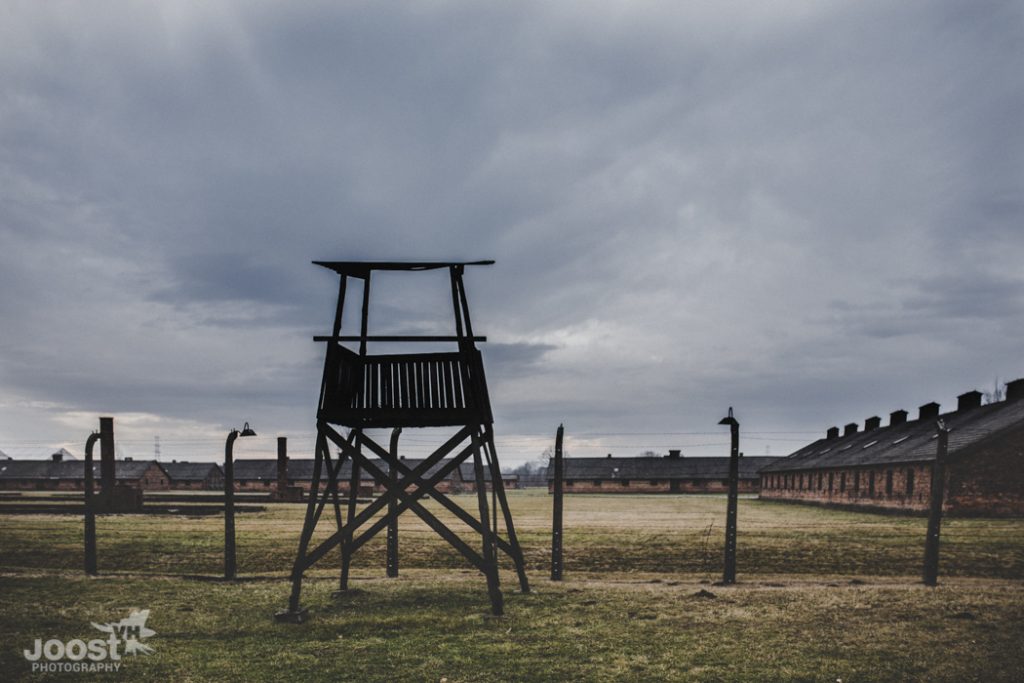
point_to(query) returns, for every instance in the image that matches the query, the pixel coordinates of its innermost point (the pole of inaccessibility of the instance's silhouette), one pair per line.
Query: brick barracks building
(890, 467)
(669, 474)
(58, 474)
(264, 475)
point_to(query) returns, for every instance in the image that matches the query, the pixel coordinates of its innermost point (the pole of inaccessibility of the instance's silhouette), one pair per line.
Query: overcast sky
(811, 211)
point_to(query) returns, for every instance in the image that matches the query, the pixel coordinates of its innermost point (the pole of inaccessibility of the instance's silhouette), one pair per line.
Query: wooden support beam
(294, 613)
(490, 568)
(353, 495)
(498, 486)
(931, 545)
(392, 517)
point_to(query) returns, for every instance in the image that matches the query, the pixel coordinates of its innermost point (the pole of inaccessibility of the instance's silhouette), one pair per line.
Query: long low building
(61, 475)
(194, 476)
(262, 474)
(669, 474)
(890, 466)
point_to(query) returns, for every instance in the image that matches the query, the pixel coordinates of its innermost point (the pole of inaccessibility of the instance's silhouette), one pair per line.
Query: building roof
(48, 469)
(190, 471)
(657, 468)
(260, 469)
(910, 442)
(36, 453)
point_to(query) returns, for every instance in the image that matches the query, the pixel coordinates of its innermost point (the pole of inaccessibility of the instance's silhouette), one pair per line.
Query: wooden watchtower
(401, 391)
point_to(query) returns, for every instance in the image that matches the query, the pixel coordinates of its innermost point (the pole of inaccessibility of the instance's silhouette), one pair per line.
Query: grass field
(822, 596)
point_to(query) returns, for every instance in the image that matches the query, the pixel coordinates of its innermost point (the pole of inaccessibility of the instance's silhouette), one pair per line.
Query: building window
(888, 482)
(821, 485)
(856, 482)
(597, 482)
(842, 482)
(871, 484)
(569, 482)
(801, 481)
(624, 482)
(910, 481)
(655, 482)
(831, 476)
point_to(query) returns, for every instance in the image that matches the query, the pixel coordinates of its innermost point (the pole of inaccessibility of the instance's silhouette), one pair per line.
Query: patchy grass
(823, 595)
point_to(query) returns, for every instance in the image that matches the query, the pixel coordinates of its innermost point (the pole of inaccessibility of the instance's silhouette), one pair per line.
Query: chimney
(968, 400)
(609, 455)
(832, 433)
(282, 464)
(897, 417)
(850, 429)
(1015, 390)
(872, 423)
(928, 410)
(675, 453)
(58, 456)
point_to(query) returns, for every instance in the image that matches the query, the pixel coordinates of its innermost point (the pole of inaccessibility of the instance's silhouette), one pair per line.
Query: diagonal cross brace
(399, 491)
(370, 510)
(440, 497)
(332, 486)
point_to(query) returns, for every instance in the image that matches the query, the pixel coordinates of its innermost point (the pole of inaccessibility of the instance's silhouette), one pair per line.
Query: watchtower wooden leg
(489, 554)
(392, 561)
(332, 489)
(294, 612)
(353, 495)
(499, 487)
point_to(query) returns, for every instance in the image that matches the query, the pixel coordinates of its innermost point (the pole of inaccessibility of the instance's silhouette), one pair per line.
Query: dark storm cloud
(806, 210)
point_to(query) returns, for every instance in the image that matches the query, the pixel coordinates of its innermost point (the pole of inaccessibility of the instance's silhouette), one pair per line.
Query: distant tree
(997, 393)
(650, 454)
(549, 453)
(536, 465)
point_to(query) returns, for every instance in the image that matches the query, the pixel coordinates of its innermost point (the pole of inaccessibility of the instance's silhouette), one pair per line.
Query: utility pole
(556, 517)
(729, 575)
(931, 544)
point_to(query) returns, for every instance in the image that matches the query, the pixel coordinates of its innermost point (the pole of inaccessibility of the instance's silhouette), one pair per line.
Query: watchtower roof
(362, 268)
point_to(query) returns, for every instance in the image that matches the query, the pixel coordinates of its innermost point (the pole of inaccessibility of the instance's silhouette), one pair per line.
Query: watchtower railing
(404, 390)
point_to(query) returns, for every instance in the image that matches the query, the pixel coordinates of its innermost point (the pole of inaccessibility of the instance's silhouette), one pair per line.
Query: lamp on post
(229, 500)
(729, 574)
